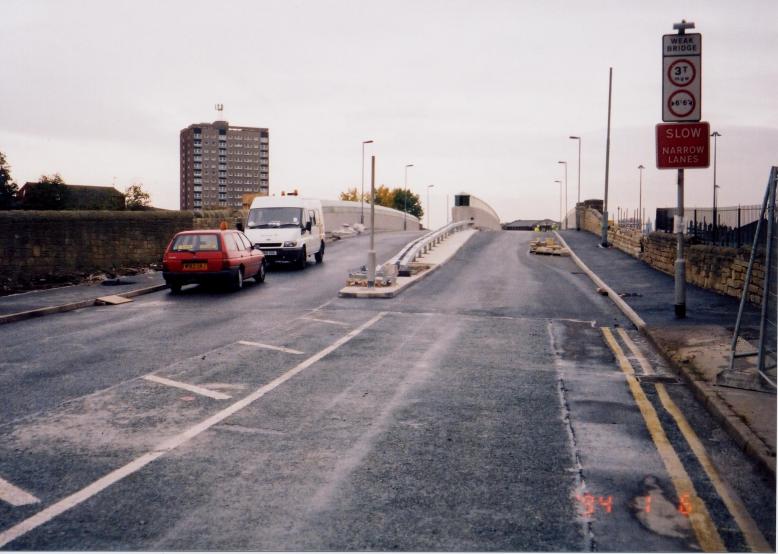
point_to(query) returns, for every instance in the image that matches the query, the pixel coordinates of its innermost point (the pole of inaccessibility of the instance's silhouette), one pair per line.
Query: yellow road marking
(637, 353)
(699, 517)
(754, 538)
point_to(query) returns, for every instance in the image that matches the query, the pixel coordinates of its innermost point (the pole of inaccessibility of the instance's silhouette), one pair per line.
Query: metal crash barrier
(411, 251)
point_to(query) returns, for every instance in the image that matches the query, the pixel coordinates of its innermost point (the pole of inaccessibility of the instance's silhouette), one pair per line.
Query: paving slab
(698, 345)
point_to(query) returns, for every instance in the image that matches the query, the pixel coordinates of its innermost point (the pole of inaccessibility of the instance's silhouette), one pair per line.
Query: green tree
(50, 193)
(135, 198)
(407, 201)
(8, 188)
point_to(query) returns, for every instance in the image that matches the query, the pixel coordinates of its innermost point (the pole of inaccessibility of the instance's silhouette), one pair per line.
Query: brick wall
(61, 245)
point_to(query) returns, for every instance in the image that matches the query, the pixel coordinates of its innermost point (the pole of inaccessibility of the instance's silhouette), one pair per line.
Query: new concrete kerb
(705, 392)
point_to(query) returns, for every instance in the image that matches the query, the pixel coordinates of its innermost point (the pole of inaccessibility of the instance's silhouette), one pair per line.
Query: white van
(287, 228)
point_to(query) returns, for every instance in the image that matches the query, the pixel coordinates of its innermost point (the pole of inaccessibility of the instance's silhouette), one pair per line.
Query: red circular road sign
(681, 73)
(681, 103)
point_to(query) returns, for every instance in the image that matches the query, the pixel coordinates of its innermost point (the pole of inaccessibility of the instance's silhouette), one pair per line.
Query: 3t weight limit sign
(681, 77)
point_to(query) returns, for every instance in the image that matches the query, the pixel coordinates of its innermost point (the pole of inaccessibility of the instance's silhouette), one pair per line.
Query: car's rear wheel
(261, 272)
(175, 288)
(319, 256)
(237, 281)
(301, 263)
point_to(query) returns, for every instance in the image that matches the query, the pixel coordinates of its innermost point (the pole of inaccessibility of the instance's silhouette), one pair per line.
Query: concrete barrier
(471, 208)
(340, 212)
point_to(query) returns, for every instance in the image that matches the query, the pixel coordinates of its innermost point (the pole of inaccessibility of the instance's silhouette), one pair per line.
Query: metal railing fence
(733, 226)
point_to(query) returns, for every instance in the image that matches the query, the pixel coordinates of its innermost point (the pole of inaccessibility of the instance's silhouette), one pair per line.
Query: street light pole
(604, 230)
(362, 195)
(564, 211)
(577, 222)
(561, 210)
(715, 135)
(405, 202)
(428, 205)
(640, 199)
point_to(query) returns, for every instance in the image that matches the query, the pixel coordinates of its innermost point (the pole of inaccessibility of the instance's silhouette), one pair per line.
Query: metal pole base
(371, 269)
(680, 311)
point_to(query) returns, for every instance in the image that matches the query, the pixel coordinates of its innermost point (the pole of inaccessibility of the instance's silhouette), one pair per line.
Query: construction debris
(385, 276)
(547, 247)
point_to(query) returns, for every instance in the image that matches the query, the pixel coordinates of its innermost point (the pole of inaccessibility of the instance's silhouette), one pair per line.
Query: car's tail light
(225, 263)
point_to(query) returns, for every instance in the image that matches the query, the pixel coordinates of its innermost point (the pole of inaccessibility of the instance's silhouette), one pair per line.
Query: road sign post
(681, 145)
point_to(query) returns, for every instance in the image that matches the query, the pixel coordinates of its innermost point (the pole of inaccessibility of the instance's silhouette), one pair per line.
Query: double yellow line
(699, 517)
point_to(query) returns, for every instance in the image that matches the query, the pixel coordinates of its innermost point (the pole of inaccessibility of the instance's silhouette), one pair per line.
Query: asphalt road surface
(499, 404)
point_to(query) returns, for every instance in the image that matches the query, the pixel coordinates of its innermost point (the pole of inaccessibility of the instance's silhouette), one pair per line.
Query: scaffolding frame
(767, 320)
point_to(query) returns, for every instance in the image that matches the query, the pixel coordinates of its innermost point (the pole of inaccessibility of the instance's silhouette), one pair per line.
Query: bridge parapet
(471, 208)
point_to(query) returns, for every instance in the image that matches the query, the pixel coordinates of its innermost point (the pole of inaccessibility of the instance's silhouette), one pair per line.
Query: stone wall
(627, 240)
(58, 246)
(716, 268)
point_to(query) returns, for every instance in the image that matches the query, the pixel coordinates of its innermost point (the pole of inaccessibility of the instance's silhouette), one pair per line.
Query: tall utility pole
(565, 208)
(640, 199)
(405, 202)
(604, 230)
(371, 253)
(362, 195)
(561, 209)
(429, 209)
(715, 135)
(578, 223)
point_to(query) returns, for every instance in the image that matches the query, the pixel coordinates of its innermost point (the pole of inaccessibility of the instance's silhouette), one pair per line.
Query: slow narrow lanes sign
(682, 145)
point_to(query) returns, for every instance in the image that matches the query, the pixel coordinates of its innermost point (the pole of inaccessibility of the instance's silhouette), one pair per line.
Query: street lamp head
(715, 134)
(557, 181)
(367, 142)
(641, 166)
(409, 165)
(562, 163)
(575, 138)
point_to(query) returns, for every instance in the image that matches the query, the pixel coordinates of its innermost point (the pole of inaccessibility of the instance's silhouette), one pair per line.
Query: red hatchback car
(212, 255)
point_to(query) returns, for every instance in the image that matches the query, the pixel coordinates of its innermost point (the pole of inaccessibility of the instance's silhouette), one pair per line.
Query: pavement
(697, 346)
(17, 307)
(428, 263)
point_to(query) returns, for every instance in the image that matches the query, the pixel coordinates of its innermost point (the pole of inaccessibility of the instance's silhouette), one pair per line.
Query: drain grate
(664, 379)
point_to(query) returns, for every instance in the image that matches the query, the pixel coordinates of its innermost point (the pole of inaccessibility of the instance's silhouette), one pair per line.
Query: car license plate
(270, 252)
(196, 266)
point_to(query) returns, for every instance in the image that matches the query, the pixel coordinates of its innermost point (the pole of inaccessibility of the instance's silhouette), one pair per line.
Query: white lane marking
(330, 321)
(56, 509)
(269, 347)
(186, 386)
(15, 496)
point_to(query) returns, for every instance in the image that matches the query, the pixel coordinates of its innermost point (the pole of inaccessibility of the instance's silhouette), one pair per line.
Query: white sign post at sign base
(681, 102)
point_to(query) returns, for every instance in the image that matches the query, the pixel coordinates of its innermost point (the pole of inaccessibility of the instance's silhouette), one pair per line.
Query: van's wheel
(301, 263)
(237, 281)
(260, 276)
(319, 256)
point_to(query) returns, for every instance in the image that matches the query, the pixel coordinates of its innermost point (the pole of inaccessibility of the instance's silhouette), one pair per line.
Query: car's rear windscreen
(205, 242)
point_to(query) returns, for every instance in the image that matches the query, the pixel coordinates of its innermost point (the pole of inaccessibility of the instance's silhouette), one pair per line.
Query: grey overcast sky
(479, 96)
